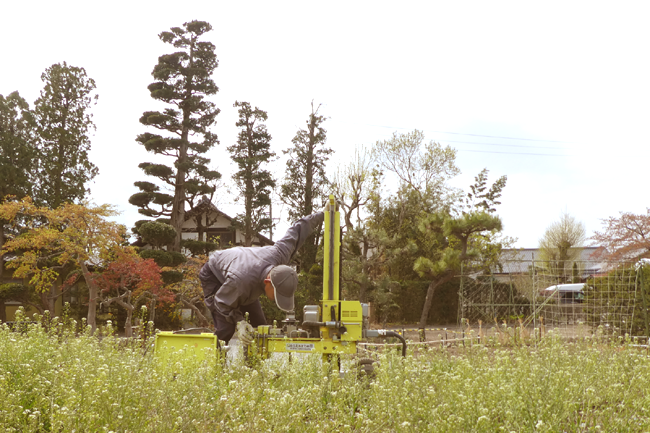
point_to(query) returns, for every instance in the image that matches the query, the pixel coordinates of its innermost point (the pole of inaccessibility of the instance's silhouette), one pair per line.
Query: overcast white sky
(563, 89)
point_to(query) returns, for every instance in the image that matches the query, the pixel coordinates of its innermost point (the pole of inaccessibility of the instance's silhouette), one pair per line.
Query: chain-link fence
(575, 298)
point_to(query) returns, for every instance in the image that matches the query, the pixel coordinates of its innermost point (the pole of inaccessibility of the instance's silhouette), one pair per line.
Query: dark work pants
(223, 328)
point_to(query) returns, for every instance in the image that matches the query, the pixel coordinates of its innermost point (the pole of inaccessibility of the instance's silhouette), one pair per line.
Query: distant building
(524, 260)
(207, 223)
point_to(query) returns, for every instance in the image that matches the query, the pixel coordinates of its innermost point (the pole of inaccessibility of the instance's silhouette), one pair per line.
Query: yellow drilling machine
(332, 328)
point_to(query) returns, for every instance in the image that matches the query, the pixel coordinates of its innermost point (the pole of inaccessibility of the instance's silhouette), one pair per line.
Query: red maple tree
(128, 281)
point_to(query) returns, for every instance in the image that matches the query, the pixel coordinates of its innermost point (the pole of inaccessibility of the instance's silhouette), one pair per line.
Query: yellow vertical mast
(331, 262)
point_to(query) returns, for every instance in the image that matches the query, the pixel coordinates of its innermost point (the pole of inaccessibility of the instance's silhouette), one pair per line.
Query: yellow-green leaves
(49, 239)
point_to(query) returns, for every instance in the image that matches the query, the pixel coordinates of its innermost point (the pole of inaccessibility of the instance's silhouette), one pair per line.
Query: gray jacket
(242, 270)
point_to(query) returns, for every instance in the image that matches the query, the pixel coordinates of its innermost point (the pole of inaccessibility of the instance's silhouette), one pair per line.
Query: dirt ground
(445, 334)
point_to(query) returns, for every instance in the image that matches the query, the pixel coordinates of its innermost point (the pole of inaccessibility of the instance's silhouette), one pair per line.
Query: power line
(505, 145)
(511, 153)
(479, 135)
(507, 138)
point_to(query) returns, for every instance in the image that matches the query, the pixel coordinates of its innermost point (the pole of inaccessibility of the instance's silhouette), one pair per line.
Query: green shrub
(199, 247)
(177, 258)
(157, 234)
(171, 277)
(162, 258)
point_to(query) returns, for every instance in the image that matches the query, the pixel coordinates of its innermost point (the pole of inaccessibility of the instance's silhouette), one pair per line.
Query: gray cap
(284, 280)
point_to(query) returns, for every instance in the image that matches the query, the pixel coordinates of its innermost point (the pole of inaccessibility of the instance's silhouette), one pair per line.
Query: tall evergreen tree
(252, 150)
(17, 150)
(305, 180)
(17, 154)
(183, 80)
(63, 126)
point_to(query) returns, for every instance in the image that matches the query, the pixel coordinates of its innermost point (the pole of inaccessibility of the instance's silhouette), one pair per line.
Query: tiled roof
(200, 207)
(205, 202)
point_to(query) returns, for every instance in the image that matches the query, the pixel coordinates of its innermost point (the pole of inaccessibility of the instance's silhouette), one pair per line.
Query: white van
(566, 293)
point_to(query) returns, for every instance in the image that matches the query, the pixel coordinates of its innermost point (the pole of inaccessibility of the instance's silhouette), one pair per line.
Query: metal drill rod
(330, 270)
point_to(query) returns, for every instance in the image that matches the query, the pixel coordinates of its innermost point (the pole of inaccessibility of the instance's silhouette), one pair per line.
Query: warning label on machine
(303, 347)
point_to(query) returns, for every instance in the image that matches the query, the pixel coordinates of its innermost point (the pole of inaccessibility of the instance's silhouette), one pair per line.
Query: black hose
(399, 337)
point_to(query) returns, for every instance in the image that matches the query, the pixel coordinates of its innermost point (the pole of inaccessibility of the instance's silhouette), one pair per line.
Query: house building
(524, 261)
(207, 223)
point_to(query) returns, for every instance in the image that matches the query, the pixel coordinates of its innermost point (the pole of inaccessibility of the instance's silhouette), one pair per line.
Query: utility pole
(271, 218)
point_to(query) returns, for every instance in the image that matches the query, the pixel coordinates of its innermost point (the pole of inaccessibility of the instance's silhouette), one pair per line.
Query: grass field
(52, 379)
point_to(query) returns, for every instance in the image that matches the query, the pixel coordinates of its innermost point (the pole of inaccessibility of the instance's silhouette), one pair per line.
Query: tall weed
(56, 376)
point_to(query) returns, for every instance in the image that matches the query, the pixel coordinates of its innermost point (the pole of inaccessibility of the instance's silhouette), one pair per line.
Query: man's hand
(244, 332)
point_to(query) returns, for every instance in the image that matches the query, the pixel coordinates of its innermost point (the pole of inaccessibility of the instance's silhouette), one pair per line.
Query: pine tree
(426, 234)
(303, 188)
(203, 215)
(183, 80)
(63, 126)
(250, 153)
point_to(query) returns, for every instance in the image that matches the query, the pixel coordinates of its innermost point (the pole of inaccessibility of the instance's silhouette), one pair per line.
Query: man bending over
(234, 279)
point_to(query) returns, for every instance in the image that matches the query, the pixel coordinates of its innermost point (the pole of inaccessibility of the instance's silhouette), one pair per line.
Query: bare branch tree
(625, 237)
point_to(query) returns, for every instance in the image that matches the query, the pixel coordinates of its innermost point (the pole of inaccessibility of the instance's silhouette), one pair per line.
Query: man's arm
(297, 235)
(227, 300)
